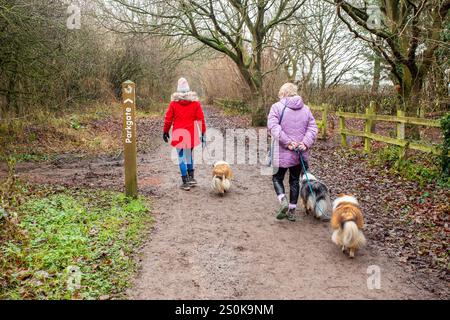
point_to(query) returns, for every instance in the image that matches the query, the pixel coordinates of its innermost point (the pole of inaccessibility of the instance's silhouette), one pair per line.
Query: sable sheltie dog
(222, 176)
(318, 202)
(347, 222)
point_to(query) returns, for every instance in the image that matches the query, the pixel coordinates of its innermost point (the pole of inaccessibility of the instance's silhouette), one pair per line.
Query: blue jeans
(185, 160)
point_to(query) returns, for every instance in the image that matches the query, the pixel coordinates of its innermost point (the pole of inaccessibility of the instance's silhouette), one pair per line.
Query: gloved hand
(166, 137)
(203, 140)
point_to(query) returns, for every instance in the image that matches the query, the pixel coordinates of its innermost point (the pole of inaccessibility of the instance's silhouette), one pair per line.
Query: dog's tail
(221, 184)
(226, 183)
(352, 237)
(323, 209)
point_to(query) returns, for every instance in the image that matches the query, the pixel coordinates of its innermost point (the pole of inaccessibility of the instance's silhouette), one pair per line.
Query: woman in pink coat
(291, 125)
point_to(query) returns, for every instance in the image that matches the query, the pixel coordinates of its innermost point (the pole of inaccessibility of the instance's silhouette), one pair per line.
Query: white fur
(350, 237)
(343, 199)
(310, 203)
(310, 177)
(226, 185)
(218, 163)
(188, 96)
(221, 185)
(323, 206)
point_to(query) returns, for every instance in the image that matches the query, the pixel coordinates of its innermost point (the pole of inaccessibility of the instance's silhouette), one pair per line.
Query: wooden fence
(370, 116)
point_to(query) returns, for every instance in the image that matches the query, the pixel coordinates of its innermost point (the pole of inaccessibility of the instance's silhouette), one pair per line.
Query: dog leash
(305, 170)
(205, 147)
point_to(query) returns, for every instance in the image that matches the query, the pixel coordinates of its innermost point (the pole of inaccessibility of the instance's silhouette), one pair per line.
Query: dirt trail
(208, 247)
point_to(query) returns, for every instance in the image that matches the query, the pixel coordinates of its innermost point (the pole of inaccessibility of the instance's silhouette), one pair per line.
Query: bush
(445, 125)
(422, 168)
(352, 98)
(234, 106)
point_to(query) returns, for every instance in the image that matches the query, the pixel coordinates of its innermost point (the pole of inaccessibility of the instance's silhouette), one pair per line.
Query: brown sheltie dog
(222, 175)
(347, 222)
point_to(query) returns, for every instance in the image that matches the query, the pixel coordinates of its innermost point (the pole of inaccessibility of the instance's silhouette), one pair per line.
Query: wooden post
(401, 134)
(129, 137)
(421, 114)
(324, 121)
(368, 126)
(341, 129)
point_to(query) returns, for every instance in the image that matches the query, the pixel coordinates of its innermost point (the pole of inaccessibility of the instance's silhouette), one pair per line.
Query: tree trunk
(323, 77)
(411, 86)
(11, 98)
(410, 93)
(376, 74)
(259, 110)
(257, 104)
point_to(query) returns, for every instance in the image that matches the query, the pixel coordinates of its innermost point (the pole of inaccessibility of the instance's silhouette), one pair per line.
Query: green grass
(423, 168)
(93, 232)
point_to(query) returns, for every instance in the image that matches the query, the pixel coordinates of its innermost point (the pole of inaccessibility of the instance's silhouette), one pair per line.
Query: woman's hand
(297, 146)
(166, 137)
(292, 146)
(302, 147)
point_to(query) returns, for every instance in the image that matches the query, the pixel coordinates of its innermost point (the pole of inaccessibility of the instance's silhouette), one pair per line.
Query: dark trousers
(294, 182)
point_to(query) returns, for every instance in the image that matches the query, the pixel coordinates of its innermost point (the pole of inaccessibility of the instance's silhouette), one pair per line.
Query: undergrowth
(233, 107)
(58, 243)
(90, 129)
(422, 168)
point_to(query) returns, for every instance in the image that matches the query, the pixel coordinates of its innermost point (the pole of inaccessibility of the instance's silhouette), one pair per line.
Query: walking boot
(185, 185)
(291, 215)
(192, 181)
(284, 207)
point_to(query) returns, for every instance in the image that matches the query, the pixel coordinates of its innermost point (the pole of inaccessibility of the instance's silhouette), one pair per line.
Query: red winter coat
(183, 114)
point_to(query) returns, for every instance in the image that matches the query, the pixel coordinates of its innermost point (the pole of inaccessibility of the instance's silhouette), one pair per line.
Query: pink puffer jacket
(298, 125)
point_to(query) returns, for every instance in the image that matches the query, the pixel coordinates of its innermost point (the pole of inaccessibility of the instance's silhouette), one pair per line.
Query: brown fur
(345, 212)
(348, 235)
(222, 170)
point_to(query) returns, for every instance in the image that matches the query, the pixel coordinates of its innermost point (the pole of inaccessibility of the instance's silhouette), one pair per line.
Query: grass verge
(94, 129)
(69, 243)
(421, 167)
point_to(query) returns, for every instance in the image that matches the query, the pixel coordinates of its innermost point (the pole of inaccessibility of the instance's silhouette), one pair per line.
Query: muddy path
(208, 247)
(204, 246)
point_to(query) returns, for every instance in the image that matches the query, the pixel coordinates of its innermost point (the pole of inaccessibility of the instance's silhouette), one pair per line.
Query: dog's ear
(340, 195)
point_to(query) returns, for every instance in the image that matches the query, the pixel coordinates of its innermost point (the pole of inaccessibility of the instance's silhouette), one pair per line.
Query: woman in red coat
(183, 114)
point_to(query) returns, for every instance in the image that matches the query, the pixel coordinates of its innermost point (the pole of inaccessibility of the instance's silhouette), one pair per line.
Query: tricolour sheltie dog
(347, 222)
(222, 175)
(317, 202)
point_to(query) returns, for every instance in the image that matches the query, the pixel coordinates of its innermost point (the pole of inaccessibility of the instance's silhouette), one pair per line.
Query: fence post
(368, 126)
(401, 134)
(324, 121)
(129, 138)
(341, 129)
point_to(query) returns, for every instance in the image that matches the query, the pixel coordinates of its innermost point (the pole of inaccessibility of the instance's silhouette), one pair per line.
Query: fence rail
(322, 123)
(401, 120)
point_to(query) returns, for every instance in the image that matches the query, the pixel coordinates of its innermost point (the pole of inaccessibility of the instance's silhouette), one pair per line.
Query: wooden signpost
(129, 137)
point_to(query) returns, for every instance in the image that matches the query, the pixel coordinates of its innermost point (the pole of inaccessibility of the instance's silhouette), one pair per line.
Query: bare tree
(405, 33)
(320, 49)
(238, 28)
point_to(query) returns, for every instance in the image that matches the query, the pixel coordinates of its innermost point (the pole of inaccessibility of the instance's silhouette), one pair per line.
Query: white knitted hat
(183, 85)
